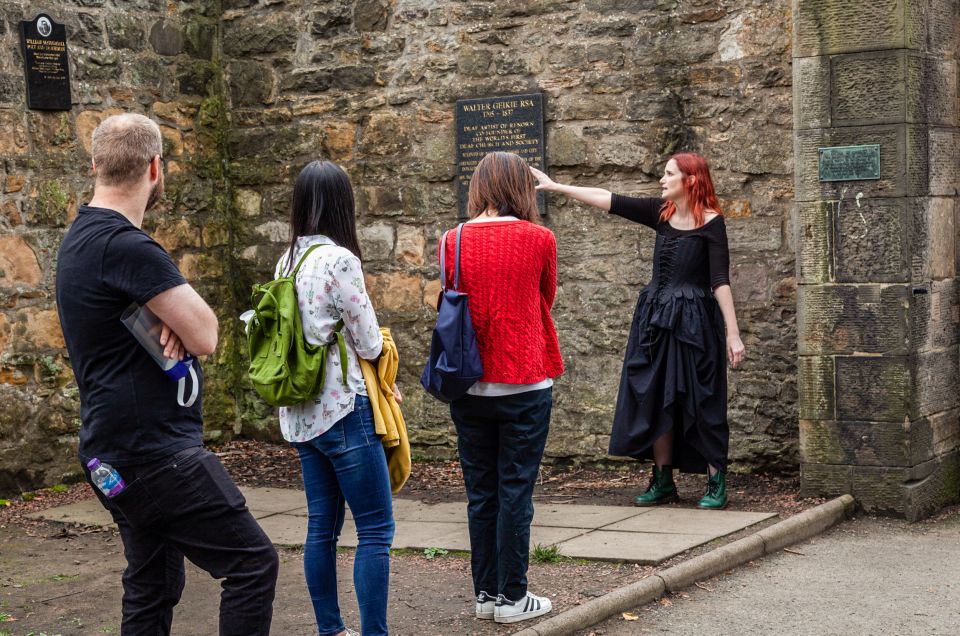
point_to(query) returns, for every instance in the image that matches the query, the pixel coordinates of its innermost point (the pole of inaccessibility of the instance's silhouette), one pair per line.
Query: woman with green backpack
(341, 456)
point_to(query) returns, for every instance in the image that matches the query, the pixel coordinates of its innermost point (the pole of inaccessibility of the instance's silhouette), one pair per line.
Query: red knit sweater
(508, 269)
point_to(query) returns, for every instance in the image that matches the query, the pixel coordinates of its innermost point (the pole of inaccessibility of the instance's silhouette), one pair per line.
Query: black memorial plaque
(44, 46)
(512, 123)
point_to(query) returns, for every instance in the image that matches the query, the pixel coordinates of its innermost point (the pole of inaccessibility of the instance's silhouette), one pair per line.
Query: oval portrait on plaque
(44, 27)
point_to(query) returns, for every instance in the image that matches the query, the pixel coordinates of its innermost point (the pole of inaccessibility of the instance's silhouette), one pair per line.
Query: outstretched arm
(597, 197)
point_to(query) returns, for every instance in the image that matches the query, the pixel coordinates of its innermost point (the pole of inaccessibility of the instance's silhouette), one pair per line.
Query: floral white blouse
(330, 287)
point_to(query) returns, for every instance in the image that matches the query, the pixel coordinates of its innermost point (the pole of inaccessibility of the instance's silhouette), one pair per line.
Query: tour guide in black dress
(672, 404)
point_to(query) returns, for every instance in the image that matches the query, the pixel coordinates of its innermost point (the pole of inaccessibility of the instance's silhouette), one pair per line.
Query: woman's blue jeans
(347, 463)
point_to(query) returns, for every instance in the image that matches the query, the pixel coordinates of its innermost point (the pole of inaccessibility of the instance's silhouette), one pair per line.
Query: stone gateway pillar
(877, 322)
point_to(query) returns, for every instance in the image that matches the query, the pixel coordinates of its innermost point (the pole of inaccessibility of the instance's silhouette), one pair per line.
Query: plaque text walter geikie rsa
(512, 123)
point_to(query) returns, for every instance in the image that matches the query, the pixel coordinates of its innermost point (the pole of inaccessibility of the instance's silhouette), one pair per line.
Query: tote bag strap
(456, 266)
(443, 267)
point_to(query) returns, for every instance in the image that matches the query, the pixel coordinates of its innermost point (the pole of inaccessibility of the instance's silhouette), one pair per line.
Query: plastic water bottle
(106, 478)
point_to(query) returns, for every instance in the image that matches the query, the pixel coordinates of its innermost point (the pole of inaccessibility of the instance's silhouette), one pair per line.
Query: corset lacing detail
(667, 264)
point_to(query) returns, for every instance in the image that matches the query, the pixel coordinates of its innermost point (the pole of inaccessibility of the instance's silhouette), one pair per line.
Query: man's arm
(189, 317)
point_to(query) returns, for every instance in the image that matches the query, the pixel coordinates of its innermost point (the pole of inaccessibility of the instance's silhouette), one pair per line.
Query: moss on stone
(51, 205)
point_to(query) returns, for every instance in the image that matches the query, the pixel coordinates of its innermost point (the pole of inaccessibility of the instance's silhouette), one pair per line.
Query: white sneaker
(485, 605)
(530, 606)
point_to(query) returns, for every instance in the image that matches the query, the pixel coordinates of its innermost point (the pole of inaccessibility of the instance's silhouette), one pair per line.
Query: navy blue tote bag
(454, 364)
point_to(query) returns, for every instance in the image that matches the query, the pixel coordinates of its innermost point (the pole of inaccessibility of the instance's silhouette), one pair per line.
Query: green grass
(4, 503)
(27, 496)
(546, 554)
(4, 617)
(59, 488)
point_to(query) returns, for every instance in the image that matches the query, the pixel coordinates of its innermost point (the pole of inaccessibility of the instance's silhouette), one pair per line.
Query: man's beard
(155, 194)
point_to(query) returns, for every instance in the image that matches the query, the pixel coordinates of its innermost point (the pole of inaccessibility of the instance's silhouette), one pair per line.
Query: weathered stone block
(881, 490)
(754, 234)
(872, 240)
(939, 488)
(750, 283)
(376, 240)
(856, 443)
(395, 291)
(827, 26)
(935, 382)
(816, 387)
(933, 240)
(825, 480)
(878, 388)
(931, 91)
(934, 316)
(933, 26)
(260, 35)
(811, 92)
(943, 163)
(18, 263)
(814, 242)
(13, 141)
(251, 84)
(868, 88)
(37, 329)
(371, 15)
(410, 245)
(852, 319)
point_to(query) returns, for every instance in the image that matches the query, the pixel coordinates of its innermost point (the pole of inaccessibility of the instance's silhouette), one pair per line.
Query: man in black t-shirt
(178, 500)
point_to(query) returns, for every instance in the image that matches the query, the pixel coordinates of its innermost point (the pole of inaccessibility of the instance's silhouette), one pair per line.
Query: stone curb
(769, 540)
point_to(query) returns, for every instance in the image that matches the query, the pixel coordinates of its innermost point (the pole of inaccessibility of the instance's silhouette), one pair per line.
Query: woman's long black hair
(322, 203)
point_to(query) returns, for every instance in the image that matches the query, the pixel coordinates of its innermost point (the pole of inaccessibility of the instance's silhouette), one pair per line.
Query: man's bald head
(123, 145)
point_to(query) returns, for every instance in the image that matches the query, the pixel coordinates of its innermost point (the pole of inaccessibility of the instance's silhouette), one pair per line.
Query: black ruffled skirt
(674, 379)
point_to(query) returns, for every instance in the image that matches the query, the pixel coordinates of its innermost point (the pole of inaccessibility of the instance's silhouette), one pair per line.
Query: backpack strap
(304, 257)
(338, 333)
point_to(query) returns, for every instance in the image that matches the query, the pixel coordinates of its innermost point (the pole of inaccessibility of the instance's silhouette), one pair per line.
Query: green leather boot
(716, 496)
(661, 490)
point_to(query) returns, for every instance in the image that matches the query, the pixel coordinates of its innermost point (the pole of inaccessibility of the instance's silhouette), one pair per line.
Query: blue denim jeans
(347, 463)
(500, 442)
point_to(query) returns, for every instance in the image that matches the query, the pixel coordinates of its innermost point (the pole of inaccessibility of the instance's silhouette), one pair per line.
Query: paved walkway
(866, 576)
(618, 533)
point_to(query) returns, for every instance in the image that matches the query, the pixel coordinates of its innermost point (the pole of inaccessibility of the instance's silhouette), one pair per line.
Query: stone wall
(372, 84)
(878, 305)
(125, 55)
(248, 91)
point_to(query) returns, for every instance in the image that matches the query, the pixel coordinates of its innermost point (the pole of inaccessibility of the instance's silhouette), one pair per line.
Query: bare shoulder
(709, 215)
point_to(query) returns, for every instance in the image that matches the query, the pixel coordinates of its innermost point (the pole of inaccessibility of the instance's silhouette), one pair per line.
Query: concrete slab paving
(621, 533)
(86, 513)
(579, 516)
(717, 523)
(273, 499)
(638, 547)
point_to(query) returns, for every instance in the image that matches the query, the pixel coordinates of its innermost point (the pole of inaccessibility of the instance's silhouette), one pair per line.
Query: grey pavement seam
(776, 537)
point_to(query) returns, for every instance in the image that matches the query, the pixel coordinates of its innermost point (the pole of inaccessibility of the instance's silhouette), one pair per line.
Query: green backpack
(284, 368)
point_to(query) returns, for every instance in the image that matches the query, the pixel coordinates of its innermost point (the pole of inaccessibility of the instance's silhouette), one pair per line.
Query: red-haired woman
(508, 268)
(672, 405)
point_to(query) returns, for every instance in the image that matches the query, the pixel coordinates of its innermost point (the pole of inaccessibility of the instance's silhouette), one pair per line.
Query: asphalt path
(866, 576)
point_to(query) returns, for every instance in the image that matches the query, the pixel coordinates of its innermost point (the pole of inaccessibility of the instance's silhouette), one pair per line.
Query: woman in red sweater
(508, 269)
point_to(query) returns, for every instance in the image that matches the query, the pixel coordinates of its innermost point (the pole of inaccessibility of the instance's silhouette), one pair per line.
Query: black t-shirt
(128, 407)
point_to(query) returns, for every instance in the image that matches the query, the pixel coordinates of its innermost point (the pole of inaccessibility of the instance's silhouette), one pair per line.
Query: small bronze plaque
(44, 45)
(849, 163)
(512, 123)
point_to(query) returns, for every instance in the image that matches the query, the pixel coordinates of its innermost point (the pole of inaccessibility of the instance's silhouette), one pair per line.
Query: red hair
(699, 190)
